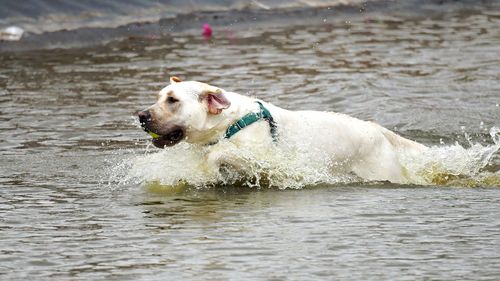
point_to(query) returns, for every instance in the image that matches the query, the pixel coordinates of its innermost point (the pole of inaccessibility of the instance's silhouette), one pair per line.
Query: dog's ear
(215, 100)
(175, 79)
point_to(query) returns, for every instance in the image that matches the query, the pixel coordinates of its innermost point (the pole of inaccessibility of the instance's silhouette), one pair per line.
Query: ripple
(67, 123)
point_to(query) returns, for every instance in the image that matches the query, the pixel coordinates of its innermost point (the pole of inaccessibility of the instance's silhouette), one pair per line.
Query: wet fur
(204, 112)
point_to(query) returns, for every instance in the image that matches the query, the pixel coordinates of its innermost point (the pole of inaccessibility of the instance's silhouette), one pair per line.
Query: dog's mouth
(171, 138)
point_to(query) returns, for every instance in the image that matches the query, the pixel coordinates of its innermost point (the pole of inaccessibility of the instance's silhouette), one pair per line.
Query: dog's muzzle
(169, 137)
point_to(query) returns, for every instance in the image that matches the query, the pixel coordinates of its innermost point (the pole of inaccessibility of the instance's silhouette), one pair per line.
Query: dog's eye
(172, 100)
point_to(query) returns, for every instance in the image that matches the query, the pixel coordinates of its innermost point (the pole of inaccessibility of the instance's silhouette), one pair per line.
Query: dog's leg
(381, 164)
(225, 156)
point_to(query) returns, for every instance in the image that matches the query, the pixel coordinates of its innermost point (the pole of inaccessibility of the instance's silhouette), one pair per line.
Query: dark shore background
(69, 24)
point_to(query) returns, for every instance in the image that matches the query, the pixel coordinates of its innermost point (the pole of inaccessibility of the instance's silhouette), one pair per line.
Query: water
(84, 195)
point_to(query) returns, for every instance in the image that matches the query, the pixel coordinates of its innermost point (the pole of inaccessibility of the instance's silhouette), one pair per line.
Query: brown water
(79, 192)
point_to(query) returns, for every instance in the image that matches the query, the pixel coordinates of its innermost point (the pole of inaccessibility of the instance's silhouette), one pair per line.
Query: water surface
(79, 200)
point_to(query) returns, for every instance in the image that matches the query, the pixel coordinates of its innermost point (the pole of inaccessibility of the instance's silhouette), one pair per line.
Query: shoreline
(241, 19)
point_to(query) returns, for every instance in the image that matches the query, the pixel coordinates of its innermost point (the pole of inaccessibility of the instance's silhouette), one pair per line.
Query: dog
(202, 114)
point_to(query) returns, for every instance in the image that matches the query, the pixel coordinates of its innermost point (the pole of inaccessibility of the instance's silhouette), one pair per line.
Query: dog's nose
(144, 116)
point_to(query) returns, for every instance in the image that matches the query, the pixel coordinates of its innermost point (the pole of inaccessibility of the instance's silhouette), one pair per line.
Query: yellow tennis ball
(154, 135)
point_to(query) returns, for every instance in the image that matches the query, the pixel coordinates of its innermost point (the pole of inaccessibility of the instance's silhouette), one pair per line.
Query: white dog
(203, 114)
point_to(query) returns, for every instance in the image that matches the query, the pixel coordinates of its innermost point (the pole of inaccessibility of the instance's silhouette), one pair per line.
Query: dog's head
(182, 111)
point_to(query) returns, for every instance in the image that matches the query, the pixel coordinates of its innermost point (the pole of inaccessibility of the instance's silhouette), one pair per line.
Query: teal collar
(251, 118)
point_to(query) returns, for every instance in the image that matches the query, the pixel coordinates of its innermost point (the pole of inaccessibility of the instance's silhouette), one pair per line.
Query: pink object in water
(207, 31)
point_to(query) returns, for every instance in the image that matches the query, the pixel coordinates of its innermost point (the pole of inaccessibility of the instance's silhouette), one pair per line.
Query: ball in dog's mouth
(173, 137)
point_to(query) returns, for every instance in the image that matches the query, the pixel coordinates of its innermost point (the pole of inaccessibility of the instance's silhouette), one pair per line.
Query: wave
(185, 165)
(39, 16)
(457, 165)
(72, 24)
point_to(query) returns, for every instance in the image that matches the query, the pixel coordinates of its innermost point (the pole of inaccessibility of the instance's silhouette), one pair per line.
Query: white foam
(283, 167)
(455, 164)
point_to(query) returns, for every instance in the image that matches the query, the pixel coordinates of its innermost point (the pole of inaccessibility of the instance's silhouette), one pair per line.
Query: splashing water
(282, 167)
(456, 165)
(186, 164)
